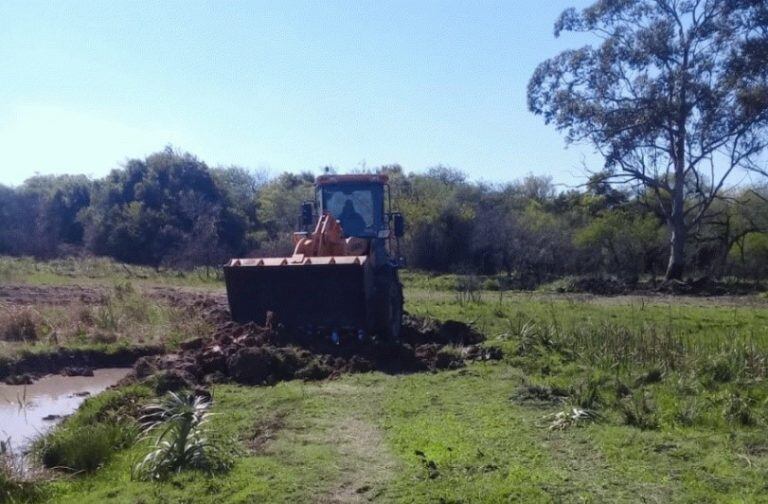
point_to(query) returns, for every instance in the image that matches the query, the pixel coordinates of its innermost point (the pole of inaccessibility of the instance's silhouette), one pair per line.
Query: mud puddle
(26, 411)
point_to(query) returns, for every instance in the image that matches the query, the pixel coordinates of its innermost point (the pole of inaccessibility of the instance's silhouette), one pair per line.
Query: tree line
(673, 94)
(172, 210)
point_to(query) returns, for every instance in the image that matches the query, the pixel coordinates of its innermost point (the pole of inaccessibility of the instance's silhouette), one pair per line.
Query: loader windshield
(359, 207)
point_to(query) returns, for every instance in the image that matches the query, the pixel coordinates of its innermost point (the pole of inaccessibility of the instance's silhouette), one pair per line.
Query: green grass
(98, 270)
(679, 385)
(366, 432)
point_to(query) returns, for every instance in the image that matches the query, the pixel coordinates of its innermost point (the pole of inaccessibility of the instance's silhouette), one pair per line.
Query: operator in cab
(352, 222)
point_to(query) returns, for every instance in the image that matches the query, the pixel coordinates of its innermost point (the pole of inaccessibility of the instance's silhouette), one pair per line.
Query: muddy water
(24, 408)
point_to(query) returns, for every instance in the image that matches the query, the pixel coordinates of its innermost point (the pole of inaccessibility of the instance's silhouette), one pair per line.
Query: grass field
(620, 399)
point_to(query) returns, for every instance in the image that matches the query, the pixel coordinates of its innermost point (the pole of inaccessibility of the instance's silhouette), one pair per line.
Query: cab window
(355, 207)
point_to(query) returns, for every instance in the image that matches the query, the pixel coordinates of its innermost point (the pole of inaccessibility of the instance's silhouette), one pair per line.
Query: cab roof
(352, 178)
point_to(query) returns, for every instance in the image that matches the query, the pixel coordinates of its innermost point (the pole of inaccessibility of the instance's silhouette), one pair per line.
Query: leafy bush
(183, 440)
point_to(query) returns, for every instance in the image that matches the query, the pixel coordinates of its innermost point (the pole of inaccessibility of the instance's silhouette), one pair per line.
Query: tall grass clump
(182, 438)
(124, 307)
(648, 346)
(468, 289)
(19, 324)
(647, 361)
(18, 483)
(638, 411)
(17, 490)
(83, 448)
(103, 425)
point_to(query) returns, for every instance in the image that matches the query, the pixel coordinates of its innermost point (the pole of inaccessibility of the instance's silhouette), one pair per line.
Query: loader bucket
(317, 292)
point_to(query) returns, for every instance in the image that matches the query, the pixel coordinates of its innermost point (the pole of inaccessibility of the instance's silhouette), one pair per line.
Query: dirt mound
(602, 286)
(255, 355)
(706, 286)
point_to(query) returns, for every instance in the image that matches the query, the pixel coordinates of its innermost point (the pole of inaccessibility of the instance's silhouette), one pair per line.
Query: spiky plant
(179, 424)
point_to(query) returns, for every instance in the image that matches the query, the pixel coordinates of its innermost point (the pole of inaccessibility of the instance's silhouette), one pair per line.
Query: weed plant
(182, 439)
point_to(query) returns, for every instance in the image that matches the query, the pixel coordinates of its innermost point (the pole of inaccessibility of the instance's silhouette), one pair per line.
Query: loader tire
(390, 320)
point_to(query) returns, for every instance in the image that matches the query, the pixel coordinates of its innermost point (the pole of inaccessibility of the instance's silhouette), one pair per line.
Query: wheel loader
(343, 274)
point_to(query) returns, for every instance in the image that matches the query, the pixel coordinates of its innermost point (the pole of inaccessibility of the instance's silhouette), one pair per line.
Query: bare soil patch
(50, 295)
(366, 462)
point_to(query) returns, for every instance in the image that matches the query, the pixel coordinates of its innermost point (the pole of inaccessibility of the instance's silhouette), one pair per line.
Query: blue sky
(282, 86)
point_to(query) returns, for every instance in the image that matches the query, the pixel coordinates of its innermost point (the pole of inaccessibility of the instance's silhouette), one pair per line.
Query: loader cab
(357, 201)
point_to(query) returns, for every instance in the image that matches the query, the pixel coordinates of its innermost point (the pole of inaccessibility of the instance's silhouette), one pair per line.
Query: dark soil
(255, 355)
(70, 362)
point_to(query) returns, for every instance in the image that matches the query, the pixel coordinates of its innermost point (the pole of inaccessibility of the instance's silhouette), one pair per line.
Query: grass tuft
(638, 411)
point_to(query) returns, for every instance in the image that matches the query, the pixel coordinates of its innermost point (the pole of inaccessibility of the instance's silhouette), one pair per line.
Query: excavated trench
(245, 353)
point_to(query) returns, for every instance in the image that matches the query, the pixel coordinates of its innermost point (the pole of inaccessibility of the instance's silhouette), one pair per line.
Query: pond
(26, 411)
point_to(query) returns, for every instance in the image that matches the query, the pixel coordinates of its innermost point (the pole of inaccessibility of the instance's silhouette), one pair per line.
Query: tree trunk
(677, 239)
(676, 264)
(677, 223)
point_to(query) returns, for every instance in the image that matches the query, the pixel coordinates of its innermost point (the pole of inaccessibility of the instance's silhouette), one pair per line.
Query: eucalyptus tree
(674, 95)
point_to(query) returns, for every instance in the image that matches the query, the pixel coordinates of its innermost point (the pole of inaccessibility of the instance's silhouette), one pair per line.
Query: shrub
(492, 284)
